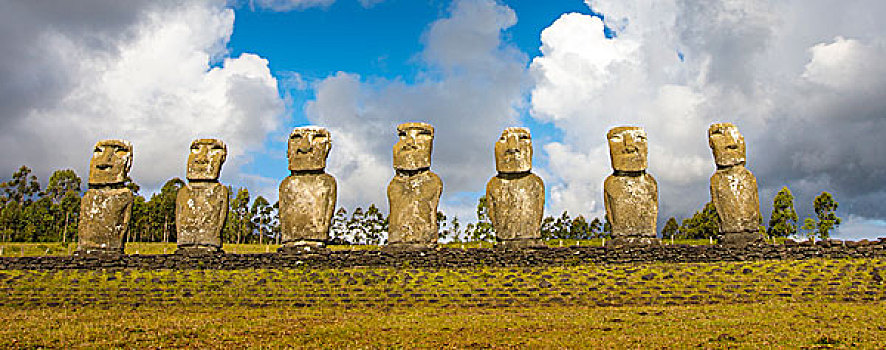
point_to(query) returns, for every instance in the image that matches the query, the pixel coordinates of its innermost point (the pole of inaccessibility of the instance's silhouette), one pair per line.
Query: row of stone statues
(515, 195)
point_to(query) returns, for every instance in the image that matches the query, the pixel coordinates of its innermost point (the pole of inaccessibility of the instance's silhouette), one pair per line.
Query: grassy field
(770, 324)
(813, 303)
(60, 249)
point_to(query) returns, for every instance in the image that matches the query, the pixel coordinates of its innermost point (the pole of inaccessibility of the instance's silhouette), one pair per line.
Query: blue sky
(381, 41)
(808, 96)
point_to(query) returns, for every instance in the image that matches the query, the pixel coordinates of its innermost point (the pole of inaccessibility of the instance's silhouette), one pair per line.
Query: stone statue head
(627, 148)
(111, 160)
(513, 151)
(413, 150)
(727, 144)
(206, 158)
(308, 148)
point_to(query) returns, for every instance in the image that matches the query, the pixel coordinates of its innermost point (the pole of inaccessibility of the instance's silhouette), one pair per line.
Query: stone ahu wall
(450, 258)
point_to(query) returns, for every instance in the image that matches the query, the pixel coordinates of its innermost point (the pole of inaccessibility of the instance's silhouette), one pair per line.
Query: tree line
(32, 213)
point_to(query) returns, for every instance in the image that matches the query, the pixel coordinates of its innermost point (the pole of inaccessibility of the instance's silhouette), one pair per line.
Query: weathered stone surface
(201, 206)
(630, 194)
(515, 196)
(308, 195)
(106, 206)
(513, 151)
(414, 192)
(308, 148)
(111, 160)
(413, 150)
(206, 159)
(453, 257)
(307, 203)
(734, 187)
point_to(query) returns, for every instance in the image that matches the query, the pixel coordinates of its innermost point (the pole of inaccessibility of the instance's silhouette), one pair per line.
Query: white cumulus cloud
(162, 83)
(469, 89)
(802, 80)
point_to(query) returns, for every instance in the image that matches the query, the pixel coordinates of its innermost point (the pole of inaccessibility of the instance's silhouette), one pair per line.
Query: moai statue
(515, 196)
(630, 194)
(201, 206)
(734, 187)
(414, 192)
(107, 205)
(307, 196)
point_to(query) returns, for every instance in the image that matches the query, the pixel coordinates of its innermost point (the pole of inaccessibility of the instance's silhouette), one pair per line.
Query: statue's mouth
(103, 167)
(512, 151)
(302, 151)
(732, 147)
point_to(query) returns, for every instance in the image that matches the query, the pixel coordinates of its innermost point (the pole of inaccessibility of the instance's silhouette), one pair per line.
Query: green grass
(808, 303)
(592, 285)
(759, 325)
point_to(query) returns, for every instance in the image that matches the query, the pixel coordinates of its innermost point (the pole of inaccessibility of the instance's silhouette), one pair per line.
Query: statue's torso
(632, 205)
(200, 214)
(734, 193)
(104, 217)
(307, 203)
(413, 203)
(516, 206)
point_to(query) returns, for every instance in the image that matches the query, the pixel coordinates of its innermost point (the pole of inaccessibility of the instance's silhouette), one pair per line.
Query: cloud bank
(803, 82)
(154, 73)
(469, 90)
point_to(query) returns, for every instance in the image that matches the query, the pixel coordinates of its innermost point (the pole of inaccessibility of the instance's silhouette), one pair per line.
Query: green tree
(376, 226)
(260, 217)
(579, 228)
(23, 188)
(162, 210)
(442, 226)
(607, 228)
(548, 226)
(783, 221)
(825, 207)
(483, 230)
(238, 218)
(810, 228)
(139, 223)
(671, 228)
(64, 191)
(561, 226)
(275, 221)
(596, 228)
(357, 228)
(454, 229)
(702, 224)
(338, 229)
(17, 194)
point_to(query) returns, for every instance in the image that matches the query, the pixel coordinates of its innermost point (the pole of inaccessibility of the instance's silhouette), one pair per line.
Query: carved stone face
(627, 148)
(727, 144)
(110, 162)
(206, 159)
(513, 151)
(413, 150)
(308, 148)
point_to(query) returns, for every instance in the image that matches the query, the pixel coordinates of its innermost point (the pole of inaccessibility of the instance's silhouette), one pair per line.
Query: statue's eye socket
(217, 147)
(717, 132)
(97, 150)
(615, 138)
(401, 134)
(424, 133)
(524, 137)
(195, 149)
(121, 152)
(295, 136)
